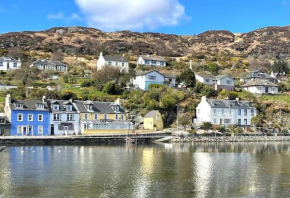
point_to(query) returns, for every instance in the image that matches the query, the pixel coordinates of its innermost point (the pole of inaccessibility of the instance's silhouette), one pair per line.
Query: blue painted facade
(28, 127)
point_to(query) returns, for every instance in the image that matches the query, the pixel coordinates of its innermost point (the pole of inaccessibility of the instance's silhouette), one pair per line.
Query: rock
(60, 31)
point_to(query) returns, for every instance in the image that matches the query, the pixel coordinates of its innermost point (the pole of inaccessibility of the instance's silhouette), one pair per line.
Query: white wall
(255, 89)
(101, 62)
(63, 119)
(203, 111)
(203, 80)
(11, 66)
(224, 80)
(139, 82)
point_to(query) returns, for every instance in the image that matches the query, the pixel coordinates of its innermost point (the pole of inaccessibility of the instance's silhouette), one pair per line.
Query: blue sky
(185, 17)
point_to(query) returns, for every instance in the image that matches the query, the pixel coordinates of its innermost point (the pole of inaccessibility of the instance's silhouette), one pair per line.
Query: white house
(217, 82)
(225, 112)
(44, 64)
(64, 117)
(9, 63)
(116, 61)
(144, 78)
(151, 61)
(260, 86)
(258, 74)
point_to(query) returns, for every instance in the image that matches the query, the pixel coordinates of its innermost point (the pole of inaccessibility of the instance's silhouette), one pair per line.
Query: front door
(66, 130)
(221, 121)
(266, 89)
(7, 65)
(52, 129)
(24, 131)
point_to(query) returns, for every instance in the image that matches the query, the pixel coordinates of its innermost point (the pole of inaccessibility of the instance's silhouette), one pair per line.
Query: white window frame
(31, 117)
(56, 116)
(69, 107)
(40, 118)
(20, 114)
(151, 77)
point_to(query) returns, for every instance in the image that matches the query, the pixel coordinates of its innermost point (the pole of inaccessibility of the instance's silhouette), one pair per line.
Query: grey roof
(98, 107)
(218, 77)
(259, 82)
(115, 58)
(254, 74)
(169, 75)
(141, 73)
(8, 59)
(28, 105)
(151, 114)
(233, 104)
(62, 104)
(154, 58)
(47, 62)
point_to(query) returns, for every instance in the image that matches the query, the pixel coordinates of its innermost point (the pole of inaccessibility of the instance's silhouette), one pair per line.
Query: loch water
(147, 170)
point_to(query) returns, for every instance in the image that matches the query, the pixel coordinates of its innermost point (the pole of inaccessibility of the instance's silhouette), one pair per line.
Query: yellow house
(153, 121)
(102, 118)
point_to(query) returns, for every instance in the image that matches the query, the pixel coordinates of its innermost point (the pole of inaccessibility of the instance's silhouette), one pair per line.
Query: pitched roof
(151, 114)
(45, 61)
(155, 58)
(9, 59)
(115, 58)
(254, 74)
(98, 107)
(259, 82)
(233, 104)
(169, 75)
(218, 77)
(28, 105)
(62, 104)
(142, 73)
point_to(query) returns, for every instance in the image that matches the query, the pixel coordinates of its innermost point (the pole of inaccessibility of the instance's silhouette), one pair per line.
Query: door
(266, 89)
(52, 129)
(221, 121)
(148, 125)
(7, 65)
(66, 130)
(24, 130)
(245, 122)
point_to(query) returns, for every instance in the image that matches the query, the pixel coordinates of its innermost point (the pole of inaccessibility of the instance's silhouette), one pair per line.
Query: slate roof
(28, 105)
(8, 59)
(259, 82)
(46, 62)
(154, 58)
(115, 58)
(169, 75)
(218, 77)
(151, 114)
(98, 107)
(233, 104)
(141, 73)
(261, 74)
(62, 104)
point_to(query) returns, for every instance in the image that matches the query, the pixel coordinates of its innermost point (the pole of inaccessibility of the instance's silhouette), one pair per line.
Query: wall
(223, 81)
(5, 64)
(103, 131)
(63, 119)
(101, 62)
(203, 111)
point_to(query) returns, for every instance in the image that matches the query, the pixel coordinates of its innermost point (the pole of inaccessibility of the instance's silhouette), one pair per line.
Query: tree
(280, 67)
(112, 88)
(213, 68)
(206, 126)
(209, 91)
(231, 95)
(188, 77)
(107, 74)
(184, 120)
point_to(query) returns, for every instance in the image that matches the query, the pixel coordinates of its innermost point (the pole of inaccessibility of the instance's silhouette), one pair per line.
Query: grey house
(4, 125)
(44, 64)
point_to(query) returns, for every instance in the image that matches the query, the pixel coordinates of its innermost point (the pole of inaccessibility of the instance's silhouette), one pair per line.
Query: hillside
(273, 41)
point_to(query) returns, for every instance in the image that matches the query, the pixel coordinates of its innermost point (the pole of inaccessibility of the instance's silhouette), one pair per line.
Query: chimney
(237, 99)
(19, 60)
(7, 100)
(43, 99)
(148, 55)
(101, 54)
(123, 55)
(190, 65)
(203, 98)
(118, 102)
(71, 100)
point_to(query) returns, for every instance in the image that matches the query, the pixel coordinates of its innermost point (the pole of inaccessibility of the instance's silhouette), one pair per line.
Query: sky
(182, 17)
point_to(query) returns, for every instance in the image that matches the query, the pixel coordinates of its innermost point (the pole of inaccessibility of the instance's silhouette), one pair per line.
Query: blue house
(27, 117)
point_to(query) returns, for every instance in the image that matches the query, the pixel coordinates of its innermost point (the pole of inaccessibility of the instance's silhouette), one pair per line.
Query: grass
(276, 98)
(92, 92)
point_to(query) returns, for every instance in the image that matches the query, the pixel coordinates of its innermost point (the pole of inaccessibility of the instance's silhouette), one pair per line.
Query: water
(156, 170)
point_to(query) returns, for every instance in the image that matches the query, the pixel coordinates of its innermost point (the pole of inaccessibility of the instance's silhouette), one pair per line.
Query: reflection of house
(27, 118)
(8, 63)
(153, 121)
(116, 61)
(64, 117)
(258, 74)
(225, 112)
(151, 61)
(281, 77)
(43, 64)
(218, 82)
(260, 86)
(102, 117)
(4, 125)
(145, 78)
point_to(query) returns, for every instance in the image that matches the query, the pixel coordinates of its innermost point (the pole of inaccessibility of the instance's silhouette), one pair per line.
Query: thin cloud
(132, 14)
(57, 16)
(61, 16)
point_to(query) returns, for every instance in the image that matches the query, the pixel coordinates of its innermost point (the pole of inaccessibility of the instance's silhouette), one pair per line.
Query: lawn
(276, 98)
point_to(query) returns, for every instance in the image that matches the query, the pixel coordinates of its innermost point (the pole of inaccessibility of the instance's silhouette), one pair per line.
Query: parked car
(53, 78)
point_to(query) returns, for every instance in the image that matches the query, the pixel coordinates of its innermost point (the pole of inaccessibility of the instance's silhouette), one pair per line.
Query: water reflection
(157, 170)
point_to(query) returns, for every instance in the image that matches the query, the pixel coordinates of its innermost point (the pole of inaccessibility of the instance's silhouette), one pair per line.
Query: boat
(2, 148)
(130, 140)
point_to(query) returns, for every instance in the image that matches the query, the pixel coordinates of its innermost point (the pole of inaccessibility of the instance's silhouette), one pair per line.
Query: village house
(64, 117)
(260, 86)
(153, 61)
(217, 82)
(9, 63)
(225, 112)
(27, 117)
(280, 77)
(4, 125)
(145, 78)
(153, 121)
(258, 74)
(102, 117)
(44, 64)
(120, 62)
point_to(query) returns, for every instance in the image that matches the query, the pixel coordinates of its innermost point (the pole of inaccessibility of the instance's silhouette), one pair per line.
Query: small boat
(2, 148)
(130, 140)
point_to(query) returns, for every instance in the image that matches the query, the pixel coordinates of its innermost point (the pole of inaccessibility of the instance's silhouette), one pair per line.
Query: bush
(209, 91)
(112, 88)
(206, 126)
(151, 86)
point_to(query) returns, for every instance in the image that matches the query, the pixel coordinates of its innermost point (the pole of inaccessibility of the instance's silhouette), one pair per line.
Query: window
(230, 112)
(86, 126)
(239, 121)
(14, 64)
(214, 111)
(122, 117)
(19, 129)
(86, 116)
(40, 106)
(105, 116)
(198, 111)
(56, 116)
(96, 116)
(2, 131)
(157, 118)
(239, 112)
(19, 106)
(110, 63)
(273, 89)
(153, 62)
(245, 122)
(123, 64)
(40, 117)
(70, 117)
(116, 63)
(19, 117)
(55, 107)
(207, 80)
(68, 107)
(30, 117)
(223, 111)
(228, 82)
(214, 120)
(117, 116)
(1, 64)
(40, 129)
(260, 88)
(252, 112)
(30, 129)
(227, 121)
(152, 77)
(162, 63)
(147, 62)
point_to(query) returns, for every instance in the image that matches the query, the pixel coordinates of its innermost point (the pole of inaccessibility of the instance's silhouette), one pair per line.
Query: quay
(81, 139)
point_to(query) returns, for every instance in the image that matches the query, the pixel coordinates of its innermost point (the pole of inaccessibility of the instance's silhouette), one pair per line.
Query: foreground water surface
(155, 170)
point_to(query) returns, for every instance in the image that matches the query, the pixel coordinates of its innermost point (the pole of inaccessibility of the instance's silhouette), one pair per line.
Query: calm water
(157, 170)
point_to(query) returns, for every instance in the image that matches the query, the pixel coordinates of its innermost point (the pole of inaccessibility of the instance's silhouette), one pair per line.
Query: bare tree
(107, 73)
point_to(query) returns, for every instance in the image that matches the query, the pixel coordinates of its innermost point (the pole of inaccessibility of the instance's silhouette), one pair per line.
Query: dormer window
(55, 107)
(40, 106)
(68, 107)
(116, 108)
(89, 107)
(19, 106)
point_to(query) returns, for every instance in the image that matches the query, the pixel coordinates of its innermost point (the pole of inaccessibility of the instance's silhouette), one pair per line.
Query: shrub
(112, 88)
